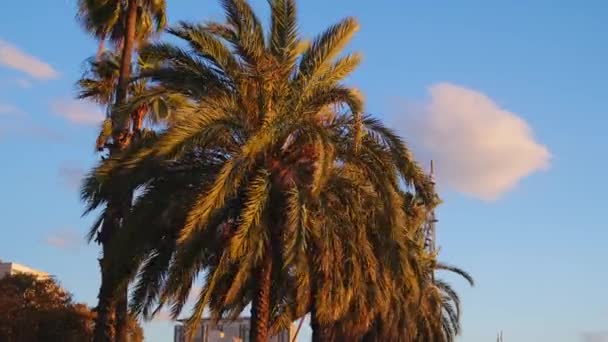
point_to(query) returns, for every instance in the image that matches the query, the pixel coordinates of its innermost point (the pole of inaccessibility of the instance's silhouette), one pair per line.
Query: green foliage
(153, 104)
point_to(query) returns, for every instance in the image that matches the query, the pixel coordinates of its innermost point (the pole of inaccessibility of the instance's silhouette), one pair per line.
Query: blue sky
(509, 99)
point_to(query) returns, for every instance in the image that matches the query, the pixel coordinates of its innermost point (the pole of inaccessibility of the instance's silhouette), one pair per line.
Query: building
(11, 268)
(227, 331)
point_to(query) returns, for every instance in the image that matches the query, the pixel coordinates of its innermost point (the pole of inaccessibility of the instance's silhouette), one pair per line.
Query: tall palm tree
(125, 23)
(98, 84)
(259, 111)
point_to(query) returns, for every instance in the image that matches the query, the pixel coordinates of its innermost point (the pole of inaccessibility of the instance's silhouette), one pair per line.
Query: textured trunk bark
(260, 309)
(122, 317)
(120, 124)
(104, 325)
(121, 135)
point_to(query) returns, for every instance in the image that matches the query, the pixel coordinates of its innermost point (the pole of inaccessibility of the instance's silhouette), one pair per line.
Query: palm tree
(259, 114)
(431, 313)
(98, 84)
(125, 23)
(439, 315)
(419, 307)
(107, 20)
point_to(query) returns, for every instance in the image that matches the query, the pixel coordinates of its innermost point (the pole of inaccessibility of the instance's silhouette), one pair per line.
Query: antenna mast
(430, 224)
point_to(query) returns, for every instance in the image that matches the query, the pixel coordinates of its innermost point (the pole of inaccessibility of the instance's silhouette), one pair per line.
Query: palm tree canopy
(290, 162)
(98, 85)
(106, 19)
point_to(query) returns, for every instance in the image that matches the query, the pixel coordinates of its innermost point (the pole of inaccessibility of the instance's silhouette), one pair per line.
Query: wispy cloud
(10, 110)
(37, 131)
(16, 123)
(23, 83)
(71, 175)
(480, 148)
(20, 82)
(14, 58)
(77, 112)
(596, 336)
(65, 239)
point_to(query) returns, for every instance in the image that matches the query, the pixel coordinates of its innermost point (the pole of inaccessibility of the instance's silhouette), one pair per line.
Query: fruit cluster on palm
(270, 183)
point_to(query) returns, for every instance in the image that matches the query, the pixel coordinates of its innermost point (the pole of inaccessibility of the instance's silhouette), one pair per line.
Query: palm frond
(326, 47)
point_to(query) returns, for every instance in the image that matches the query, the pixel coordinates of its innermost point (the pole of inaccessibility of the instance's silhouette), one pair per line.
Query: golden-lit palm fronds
(271, 184)
(106, 20)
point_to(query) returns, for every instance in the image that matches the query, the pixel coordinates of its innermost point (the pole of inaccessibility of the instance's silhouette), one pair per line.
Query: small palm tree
(439, 315)
(431, 313)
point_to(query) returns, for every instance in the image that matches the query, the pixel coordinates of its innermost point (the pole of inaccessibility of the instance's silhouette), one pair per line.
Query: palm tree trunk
(127, 53)
(122, 317)
(260, 309)
(116, 205)
(119, 124)
(104, 323)
(122, 132)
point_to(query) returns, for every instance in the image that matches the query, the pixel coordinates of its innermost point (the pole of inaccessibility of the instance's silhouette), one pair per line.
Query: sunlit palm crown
(106, 19)
(270, 154)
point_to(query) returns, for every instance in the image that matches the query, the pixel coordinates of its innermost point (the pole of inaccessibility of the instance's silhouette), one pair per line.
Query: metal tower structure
(430, 239)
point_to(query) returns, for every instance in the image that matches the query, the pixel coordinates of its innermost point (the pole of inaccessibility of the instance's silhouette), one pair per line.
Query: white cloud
(16, 123)
(480, 149)
(12, 57)
(78, 112)
(71, 175)
(598, 336)
(65, 239)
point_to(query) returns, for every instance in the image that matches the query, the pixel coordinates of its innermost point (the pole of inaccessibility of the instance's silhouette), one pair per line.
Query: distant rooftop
(11, 268)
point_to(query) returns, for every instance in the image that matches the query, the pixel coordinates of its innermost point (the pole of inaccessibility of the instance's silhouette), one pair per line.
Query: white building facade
(228, 331)
(11, 268)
